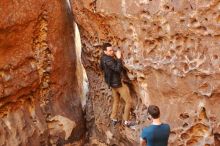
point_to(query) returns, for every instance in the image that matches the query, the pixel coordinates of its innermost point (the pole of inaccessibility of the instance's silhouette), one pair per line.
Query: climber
(112, 67)
(157, 134)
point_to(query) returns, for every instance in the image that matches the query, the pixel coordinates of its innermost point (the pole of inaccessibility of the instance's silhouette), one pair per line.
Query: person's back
(156, 135)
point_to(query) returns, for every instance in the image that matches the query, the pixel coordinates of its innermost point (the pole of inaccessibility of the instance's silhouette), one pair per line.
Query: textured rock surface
(39, 100)
(171, 48)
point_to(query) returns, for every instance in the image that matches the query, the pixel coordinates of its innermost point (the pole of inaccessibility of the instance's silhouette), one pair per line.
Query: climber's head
(108, 50)
(154, 111)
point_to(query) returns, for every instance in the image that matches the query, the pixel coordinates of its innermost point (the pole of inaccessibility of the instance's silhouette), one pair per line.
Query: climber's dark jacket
(112, 68)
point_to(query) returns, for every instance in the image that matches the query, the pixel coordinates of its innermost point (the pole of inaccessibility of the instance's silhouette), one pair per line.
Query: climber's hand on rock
(118, 54)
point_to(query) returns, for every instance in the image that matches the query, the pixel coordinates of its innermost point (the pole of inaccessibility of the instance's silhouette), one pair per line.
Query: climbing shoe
(129, 123)
(114, 122)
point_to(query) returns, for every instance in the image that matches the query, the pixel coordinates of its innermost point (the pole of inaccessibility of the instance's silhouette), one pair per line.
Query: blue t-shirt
(156, 135)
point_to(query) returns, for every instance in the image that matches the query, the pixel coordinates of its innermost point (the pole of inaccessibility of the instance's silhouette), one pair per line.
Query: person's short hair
(105, 46)
(154, 111)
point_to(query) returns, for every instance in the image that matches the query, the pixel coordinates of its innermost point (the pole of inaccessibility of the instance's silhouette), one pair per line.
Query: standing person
(111, 65)
(157, 134)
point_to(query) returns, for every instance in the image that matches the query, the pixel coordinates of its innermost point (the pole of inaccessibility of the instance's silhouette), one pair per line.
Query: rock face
(39, 99)
(171, 49)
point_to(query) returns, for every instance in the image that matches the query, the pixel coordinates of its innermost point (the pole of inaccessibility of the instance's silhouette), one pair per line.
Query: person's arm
(115, 65)
(143, 138)
(142, 142)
